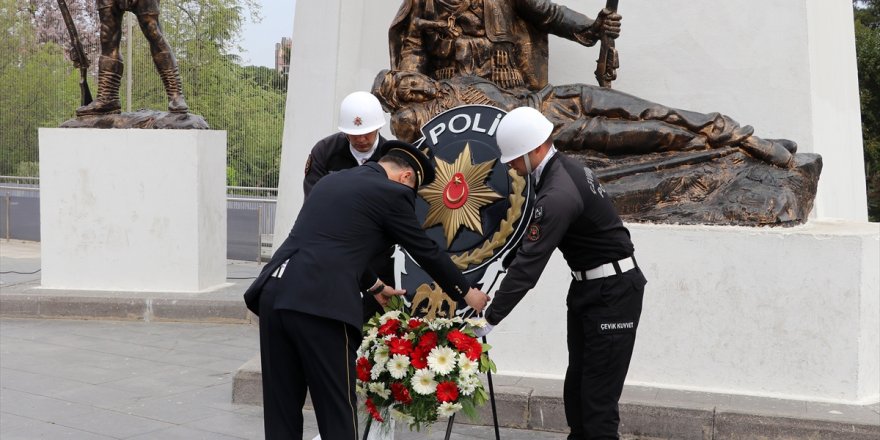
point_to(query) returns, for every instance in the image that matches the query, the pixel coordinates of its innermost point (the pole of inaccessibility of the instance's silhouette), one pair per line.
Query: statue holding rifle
(104, 110)
(110, 62)
(659, 163)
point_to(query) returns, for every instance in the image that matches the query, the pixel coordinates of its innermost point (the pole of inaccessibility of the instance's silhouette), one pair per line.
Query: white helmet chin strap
(528, 162)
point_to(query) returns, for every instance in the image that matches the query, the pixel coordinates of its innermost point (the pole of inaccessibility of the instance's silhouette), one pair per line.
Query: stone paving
(90, 380)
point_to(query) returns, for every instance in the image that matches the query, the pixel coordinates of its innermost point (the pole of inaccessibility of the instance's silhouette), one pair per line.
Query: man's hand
(477, 299)
(607, 24)
(386, 293)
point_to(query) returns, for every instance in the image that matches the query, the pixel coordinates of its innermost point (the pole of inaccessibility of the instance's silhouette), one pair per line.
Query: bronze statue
(585, 117)
(110, 62)
(504, 41)
(659, 163)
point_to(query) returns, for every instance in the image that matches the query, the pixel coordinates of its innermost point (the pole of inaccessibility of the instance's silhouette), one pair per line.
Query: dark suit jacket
(350, 217)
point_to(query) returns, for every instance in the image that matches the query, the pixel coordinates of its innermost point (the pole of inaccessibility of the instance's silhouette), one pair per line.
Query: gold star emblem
(458, 193)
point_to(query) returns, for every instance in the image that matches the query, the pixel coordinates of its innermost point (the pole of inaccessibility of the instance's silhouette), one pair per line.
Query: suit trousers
(603, 315)
(300, 352)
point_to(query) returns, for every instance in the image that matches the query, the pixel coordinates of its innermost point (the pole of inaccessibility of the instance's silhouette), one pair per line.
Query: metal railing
(262, 201)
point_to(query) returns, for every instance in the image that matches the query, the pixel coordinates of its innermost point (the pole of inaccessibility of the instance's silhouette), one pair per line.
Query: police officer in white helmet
(360, 118)
(574, 214)
(358, 141)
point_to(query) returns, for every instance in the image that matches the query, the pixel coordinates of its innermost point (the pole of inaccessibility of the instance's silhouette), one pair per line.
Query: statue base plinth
(133, 210)
(140, 119)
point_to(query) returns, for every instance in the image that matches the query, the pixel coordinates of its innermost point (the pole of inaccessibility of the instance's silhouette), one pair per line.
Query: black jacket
(350, 217)
(329, 155)
(573, 213)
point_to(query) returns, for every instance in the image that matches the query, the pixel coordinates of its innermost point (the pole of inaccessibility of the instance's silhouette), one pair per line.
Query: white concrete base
(133, 210)
(790, 313)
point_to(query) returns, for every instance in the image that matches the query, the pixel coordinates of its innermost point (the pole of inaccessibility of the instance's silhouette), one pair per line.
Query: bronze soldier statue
(110, 62)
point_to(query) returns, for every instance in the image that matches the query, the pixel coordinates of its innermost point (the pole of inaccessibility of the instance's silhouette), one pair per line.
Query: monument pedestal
(788, 313)
(133, 210)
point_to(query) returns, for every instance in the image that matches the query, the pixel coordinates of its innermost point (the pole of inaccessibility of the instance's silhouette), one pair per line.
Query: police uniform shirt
(331, 154)
(572, 212)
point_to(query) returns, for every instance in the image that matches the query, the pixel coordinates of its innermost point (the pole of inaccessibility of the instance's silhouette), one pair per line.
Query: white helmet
(360, 113)
(521, 131)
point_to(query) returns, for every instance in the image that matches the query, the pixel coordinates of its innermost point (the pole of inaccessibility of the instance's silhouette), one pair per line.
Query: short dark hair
(397, 159)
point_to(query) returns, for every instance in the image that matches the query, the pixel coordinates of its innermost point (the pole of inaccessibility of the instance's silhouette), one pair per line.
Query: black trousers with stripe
(302, 352)
(603, 316)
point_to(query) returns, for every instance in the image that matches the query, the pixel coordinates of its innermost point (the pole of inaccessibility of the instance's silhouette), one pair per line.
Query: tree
(867, 26)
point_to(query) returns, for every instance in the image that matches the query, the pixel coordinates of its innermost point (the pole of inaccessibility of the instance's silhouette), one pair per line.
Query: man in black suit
(307, 295)
(357, 141)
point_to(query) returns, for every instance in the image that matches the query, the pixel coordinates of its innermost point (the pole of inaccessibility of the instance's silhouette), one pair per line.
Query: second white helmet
(521, 131)
(360, 113)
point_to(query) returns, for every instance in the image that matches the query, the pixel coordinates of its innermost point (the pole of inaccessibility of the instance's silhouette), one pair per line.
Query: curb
(147, 309)
(532, 406)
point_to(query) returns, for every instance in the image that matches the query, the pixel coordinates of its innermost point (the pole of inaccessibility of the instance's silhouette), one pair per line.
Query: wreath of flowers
(415, 370)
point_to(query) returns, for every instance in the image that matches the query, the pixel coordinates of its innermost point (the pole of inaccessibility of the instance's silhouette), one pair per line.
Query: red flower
(428, 341)
(401, 393)
(400, 346)
(371, 407)
(419, 358)
(414, 324)
(363, 369)
(390, 327)
(460, 340)
(473, 350)
(447, 391)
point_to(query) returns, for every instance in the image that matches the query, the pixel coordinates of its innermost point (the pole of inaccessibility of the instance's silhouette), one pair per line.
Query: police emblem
(476, 209)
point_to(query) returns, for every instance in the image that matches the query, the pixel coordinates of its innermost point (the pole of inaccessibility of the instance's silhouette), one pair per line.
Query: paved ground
(85, 380)
(133, 376)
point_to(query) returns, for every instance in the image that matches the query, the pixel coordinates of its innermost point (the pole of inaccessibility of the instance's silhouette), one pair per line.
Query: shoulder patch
(539, 213)
(308, 164)
(534, 232)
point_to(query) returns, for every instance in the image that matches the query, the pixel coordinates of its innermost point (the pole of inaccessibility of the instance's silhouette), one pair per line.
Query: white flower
(394, 314)
(423, 382)
(381, 355)
(359, 389)
(402, 417)
(439, 324)
(378, 388)
(466, 366)
(441, 360)
(468, 384)
(377, 370)
(447, 409)
(398, 366)
(477, 322)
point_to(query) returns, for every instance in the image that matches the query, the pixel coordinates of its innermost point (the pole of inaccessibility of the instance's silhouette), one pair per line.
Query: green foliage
(28, 169)
(867, 26)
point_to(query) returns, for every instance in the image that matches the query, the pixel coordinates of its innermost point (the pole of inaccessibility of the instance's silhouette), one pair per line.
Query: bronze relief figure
(660, 163)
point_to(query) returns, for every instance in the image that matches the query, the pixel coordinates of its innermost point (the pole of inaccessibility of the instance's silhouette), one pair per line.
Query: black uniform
(573, 213)
(310, 317)
(332, 154)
